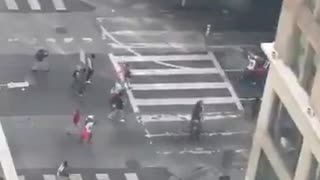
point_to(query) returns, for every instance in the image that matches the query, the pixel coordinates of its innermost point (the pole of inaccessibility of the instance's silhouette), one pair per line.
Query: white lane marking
(237, 46)
(21, 177)
(147, 33)
(11, 5)
(167, 72)
(225, 78)
(156, 45)
(106, 34)
(129, 92)
(75, 177)
(249, 99)
(190, 57)
(168, 134)
(200, 151)
(34, 4)
(233, 70)
(12, 85)
(179, 86)
(68, 40)
(102, 177)
(146, 119)
(13, 39)
(131, 176)
(59, 5)
(52, 40)
(184, 101)
(87, 39)
(49, 177)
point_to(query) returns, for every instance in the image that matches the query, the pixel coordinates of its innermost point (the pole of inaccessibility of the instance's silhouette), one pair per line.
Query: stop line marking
(179, 86)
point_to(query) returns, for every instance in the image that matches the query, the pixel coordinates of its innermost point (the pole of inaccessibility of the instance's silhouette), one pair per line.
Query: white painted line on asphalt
(184, 101)
(102, 177)
(147, 33)
(12, 85)
(167, 134)
(21, 177)
(146, 119)
(249, 99)
(59, 5)
(231, 46)
(88, 39)
(13, 39)
(155, 45)
(68, 39)
(131, 176)
(11, 5)
(106, 34)
(49, 177)
(129, 92)
(200, 152)
(233, 70)
(52, 40)
(225, 78)
(34, 4)
(191, 57)
(179, 86)
(75, 177)
(168, 72)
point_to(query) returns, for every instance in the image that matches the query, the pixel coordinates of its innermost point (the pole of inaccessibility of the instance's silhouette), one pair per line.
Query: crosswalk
(44, 6)
(164, 89)
(100, 176)
(145, 173)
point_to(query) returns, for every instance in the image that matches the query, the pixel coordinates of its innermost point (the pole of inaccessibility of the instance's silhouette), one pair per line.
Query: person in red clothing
(76, 117)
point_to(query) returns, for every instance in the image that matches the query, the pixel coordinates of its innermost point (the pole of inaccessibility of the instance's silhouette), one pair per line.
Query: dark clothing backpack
(116, 101)
(41, 54)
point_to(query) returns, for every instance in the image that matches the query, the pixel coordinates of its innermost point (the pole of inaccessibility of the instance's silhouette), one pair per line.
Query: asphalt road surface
(172, 68)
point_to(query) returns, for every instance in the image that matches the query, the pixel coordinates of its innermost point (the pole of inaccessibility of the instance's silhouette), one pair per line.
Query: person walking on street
(196, 121)
(90, 70)
(40, 64)
(117, 106)
(62, 171)
(86, 133)
(75, 120)
(79, 77)
(126, 75)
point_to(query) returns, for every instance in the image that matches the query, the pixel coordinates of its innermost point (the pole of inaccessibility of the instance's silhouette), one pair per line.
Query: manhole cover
(61, 30)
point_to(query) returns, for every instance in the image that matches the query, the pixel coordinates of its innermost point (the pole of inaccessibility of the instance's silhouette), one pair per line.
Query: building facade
(286, 143)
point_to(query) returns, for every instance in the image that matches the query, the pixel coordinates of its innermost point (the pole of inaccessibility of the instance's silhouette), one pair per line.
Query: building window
(300, 54)
(285, 136)
(314, 173)
(265, 170)
(311, 4)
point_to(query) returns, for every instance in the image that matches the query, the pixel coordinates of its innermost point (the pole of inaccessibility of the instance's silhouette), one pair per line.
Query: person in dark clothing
(126, 74)
(79, 76)
(62, 170)
(196, 121)
(197, 112)
(90, 70)
(255, 108)
(39, 64)
(117, 106)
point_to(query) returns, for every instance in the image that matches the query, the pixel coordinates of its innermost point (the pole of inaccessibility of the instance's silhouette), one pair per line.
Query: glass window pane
(286, 137)
(315, 170)
(265, 170)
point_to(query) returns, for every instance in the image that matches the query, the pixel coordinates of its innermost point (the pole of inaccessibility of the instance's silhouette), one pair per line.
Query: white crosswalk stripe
(21, 177)
(59, 5)
(49, 177)
(11, 4)
(75, 177)
(131, 176)
(167, 72)
(102, 177)
(34, 4)
(184, 101)
(191, 57)
(179, 86)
